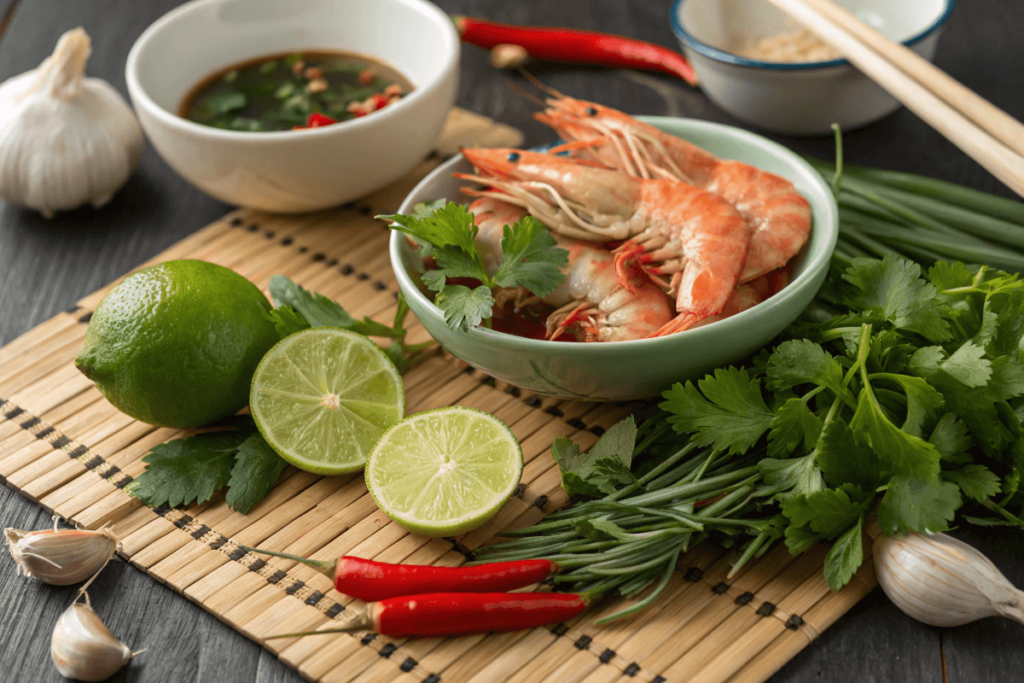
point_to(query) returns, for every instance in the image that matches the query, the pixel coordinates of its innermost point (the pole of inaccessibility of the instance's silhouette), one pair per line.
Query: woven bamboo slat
(64, 446)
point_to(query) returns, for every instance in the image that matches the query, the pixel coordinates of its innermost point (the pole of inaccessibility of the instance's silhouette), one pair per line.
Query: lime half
(323, 397)
(446, 471)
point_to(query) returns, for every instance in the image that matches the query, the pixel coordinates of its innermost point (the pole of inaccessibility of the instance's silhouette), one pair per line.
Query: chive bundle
(923, 219)
(631, 539)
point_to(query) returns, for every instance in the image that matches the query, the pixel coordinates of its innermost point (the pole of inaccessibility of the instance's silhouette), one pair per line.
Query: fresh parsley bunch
(910, 401)
(530, 259)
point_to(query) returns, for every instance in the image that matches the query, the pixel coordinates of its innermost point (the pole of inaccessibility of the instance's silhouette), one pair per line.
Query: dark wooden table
(46, 265)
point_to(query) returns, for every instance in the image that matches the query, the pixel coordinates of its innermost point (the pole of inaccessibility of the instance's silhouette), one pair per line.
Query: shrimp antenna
(537, 83)
(526, 93)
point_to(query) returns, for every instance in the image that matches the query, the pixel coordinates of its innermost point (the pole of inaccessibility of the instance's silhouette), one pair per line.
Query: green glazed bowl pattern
(618, 371)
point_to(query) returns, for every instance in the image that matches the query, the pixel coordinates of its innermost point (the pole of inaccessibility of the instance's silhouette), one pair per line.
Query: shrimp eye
(591, 111)
(513, 156)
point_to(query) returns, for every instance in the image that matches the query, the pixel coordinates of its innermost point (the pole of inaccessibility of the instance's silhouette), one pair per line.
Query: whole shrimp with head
(695, 239)
(779, 216)
(592, 305)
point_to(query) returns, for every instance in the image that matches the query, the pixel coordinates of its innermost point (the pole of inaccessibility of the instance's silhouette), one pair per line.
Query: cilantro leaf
(801, 361)
(450, 225)
(792, 476)
(968, 365)
(733, 415)
(1008, 337)
(530, 258)
(951, 439)
(845, 461)
(923, 400)
(904, 453)
(463, 307)
(794, 424)
(845, 557)
(287, 321)
(186, 470)
(454, 262)
(925, 361)
(828, 512)
(606, 465)
(976, 481)
(254, 474)
(924, 505)
(894, 290)
(617, 443)
(1007, 377)
(800, 538)
(319, 311)
(950, 276)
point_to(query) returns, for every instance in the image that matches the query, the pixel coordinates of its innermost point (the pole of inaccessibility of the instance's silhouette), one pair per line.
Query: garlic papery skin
(61, 557)
(83, 647)
(941, 581)
(65, 140)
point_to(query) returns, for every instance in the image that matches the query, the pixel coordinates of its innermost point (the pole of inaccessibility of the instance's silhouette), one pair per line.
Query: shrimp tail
(680, 323)
(575, 314)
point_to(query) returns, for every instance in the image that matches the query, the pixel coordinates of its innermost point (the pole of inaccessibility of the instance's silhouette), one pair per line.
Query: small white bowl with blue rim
(800, 98)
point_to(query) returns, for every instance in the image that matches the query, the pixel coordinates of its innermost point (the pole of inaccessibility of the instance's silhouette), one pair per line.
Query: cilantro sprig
(905, 402)
(530, 259)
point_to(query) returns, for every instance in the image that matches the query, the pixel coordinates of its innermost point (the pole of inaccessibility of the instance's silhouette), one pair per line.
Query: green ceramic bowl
(617, 371)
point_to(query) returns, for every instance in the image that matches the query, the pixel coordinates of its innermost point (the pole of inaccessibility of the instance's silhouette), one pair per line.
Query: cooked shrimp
(779, 216)
(695, 238)
(491, 216)
(594, 305)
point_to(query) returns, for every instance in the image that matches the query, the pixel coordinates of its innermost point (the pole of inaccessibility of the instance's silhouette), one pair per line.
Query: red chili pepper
(379, 102)
(369, 580)
(580, 47)
(435, 615)
(316, 120)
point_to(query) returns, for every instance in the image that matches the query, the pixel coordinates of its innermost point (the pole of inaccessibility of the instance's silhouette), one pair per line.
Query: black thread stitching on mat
(720, 588)
(632, 670)
(766, 609)
(694, 574)
(658, 679)
(387, 650)
(408, 665)
(294, 588)
(314, 598)
(368, 638)
(745, 598)
(276, 576)
(86, 318)
(606, 656)
(560, 629)
(44, 432)
(432, 678)
(583, 642)
(794, 622)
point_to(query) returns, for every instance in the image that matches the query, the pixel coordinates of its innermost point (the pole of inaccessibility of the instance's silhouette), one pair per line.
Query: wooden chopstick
(988, 143)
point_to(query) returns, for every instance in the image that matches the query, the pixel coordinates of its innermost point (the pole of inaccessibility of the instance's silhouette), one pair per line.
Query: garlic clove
(941, 581)
(83, 648)
(61, 557)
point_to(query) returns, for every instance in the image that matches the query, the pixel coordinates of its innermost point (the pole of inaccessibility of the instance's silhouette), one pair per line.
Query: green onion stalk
(919, 218)
(631, 539)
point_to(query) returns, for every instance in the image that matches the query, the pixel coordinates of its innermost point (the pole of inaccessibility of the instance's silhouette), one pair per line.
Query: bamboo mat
(63, 446)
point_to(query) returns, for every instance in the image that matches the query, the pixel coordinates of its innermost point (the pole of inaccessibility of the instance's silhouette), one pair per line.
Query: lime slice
(323, 397)
(446, 471)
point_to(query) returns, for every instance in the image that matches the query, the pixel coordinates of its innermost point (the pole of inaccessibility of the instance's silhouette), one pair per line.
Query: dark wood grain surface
(45, 265)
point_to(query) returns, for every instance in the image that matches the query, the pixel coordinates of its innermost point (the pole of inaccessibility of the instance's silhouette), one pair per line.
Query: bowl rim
(701, 334)
(141, 99)
(736, 60)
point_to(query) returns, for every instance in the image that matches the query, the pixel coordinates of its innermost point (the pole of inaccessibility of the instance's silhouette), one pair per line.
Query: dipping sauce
(293, 91)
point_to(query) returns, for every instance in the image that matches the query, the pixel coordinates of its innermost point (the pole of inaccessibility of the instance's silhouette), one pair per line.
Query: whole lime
(176, 344)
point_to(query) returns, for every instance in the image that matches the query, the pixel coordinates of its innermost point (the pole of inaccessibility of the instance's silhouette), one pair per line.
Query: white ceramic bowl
(294, 171)
(803, 98)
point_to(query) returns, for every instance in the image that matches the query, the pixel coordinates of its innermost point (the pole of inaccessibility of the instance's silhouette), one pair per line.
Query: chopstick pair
(980, 129)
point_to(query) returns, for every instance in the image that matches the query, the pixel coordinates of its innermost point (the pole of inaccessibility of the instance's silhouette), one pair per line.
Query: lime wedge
(323, 397)
(446, 471)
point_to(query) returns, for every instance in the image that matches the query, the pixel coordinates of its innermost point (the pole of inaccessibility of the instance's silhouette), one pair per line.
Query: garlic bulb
(83, 647)
(941, 581)
(61, 557)
(65, 140)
